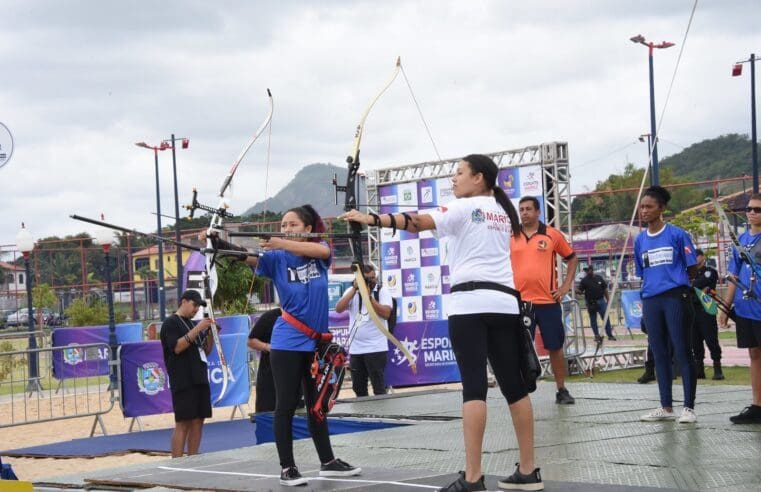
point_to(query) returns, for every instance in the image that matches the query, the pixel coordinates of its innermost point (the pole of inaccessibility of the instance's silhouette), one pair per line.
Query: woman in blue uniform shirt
(665, 260)
(299, 269)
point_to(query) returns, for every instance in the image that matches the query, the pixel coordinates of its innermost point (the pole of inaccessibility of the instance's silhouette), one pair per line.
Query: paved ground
(598, 445)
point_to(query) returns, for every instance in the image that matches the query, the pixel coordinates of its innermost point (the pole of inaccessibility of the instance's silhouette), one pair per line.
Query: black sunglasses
(753, 209)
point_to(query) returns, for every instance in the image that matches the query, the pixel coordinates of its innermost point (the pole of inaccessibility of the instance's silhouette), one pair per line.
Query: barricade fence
(29, 386)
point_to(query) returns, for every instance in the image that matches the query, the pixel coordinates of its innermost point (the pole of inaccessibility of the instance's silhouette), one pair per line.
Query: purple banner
(77, 362)
(145, 384)
(428, 342)
(144, 380)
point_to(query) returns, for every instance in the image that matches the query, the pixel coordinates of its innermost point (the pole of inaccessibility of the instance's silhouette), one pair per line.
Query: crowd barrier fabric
(145, 384)
(93, 361)
(632, 304)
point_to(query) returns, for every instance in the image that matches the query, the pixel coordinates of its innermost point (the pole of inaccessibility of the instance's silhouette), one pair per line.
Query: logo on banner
(636, 309)
(411, 307)
(432, 309)
(151, 378)
(398, 357)
(407, 195)
(391, 280)
(531, 183)
(73, 356)
(427, 194)
(477, 216)
(388, 200)
(391, 257)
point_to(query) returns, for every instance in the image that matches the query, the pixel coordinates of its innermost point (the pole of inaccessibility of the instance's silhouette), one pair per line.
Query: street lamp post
(639, 39)
(737, 71)
(25, 244)
(105, 237)
(649, 147)
(185, 144)
(162, 294)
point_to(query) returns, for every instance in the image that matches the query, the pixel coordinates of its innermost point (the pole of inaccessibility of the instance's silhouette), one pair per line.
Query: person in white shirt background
(368, 347)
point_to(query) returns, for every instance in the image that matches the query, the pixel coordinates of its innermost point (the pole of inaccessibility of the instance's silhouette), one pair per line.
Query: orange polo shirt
(534, 263)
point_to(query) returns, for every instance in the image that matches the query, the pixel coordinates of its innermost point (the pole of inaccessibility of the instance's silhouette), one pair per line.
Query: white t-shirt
(367, 338)
(478, 236)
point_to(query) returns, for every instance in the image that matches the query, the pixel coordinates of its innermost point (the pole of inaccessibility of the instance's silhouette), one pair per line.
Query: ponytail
(483, 164)
(502, 199)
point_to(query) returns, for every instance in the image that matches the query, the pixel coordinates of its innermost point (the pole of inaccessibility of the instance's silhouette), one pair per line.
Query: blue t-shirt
(302, 285)
(747, 308)
(662, 259)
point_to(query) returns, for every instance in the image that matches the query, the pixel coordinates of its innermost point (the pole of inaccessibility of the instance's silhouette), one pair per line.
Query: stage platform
(599, 444)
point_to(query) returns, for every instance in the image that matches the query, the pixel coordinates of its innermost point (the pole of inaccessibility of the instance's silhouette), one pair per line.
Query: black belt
(466, 286)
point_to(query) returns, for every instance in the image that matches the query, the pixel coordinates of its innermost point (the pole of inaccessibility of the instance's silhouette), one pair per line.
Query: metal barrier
(27, 387)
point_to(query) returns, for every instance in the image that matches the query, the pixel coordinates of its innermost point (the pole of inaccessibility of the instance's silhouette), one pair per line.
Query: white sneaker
(658, 415)
(688, 416)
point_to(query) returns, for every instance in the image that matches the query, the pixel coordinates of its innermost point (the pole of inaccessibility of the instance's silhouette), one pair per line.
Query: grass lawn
(735, 375)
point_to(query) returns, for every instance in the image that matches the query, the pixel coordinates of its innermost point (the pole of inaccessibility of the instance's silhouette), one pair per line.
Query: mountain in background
(313, 184)
(727, 156)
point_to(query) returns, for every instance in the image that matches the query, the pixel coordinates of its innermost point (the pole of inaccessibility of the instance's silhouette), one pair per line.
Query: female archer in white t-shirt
(484, 319)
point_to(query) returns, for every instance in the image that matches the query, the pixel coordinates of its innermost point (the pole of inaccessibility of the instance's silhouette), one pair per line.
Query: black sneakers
(291, 477)
(461, 485)
(648, 376)
(563, 397)
(749, 415)
(338, 468)
(519, 481)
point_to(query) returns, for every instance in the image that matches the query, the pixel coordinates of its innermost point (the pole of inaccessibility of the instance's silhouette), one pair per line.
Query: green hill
(727, 156)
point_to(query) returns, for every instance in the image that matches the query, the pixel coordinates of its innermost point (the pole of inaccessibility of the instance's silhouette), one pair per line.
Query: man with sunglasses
(185, 349)
(748, 308)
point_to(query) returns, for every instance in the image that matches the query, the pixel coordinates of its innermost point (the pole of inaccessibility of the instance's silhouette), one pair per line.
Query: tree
(236, 280)
(700, 223)
(43, 296)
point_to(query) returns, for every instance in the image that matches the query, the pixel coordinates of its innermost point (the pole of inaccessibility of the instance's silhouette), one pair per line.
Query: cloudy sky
(82, 81)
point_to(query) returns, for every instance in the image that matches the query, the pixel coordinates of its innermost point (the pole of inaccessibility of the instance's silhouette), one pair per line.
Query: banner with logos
(145, 383)
(632, 304)
(429, 344)
(414, 265)
(77, 362)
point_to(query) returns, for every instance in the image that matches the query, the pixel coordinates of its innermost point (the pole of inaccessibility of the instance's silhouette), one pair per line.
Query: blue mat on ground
(217, 436)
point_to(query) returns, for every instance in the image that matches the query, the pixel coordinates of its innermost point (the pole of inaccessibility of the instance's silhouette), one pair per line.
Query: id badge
(202, 353)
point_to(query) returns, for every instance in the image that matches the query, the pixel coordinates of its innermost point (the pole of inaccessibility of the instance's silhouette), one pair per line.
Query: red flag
(737, 70)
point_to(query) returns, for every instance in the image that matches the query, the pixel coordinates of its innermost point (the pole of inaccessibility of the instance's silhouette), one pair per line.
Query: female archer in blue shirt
(299, 269)
(664, 257)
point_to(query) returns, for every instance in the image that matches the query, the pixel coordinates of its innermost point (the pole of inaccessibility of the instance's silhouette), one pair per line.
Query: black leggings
(496, 336)
(290, 370)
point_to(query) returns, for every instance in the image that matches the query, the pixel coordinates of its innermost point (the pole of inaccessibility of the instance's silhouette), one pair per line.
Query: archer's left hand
(356, 216)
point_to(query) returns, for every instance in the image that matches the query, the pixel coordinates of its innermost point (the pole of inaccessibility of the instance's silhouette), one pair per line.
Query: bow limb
(366, 299)
(354, 156)
(215, 228)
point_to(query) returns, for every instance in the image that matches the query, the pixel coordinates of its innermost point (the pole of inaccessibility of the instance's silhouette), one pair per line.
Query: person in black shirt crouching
(185, 349)
(595, 291)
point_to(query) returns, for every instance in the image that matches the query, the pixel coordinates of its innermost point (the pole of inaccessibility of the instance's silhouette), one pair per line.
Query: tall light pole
(185, 143)
(105, 237)
(162, 294)
(640, 39)
(736, 72)
(25, 244)
(649, 147)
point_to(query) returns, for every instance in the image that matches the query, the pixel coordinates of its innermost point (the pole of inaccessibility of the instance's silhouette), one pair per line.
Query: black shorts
(549, 317)
(748, 332)
(192, 403)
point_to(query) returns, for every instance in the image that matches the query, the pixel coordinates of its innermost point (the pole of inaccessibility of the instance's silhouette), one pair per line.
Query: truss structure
(553, 157)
